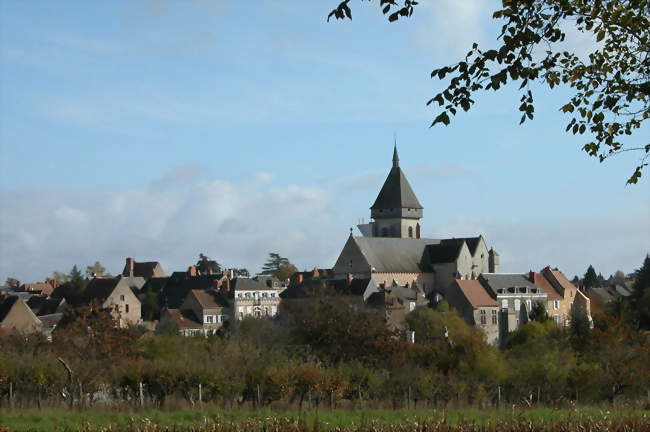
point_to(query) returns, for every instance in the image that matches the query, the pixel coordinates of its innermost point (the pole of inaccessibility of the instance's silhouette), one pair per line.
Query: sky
(163, 129)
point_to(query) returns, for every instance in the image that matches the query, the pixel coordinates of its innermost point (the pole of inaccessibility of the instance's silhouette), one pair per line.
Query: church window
(483, 318)
(410, 232)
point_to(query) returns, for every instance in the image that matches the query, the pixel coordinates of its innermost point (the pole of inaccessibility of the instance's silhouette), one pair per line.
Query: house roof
(184, 319)
(175, 289)
(496, 281)
(446, 251)
(545, 285)
(554, 275)
(396, 192)
(143, 269)
(6, 305)
(472, 243)
(394, 255)
(43, 287)
(246, 284)
(475, 293)
(601, 295)
(100, 288)
(209, 299)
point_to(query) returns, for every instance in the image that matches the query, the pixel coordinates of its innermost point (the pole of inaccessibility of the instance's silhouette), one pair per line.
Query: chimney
(130, 264)
(298, 277)
(315, 274)
(231, 274)
(191, 271)
(225, 287)
(531, 276)
(349, 278)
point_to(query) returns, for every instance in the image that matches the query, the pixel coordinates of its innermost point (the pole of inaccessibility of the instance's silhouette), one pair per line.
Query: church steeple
(395, 157)
(396, 210)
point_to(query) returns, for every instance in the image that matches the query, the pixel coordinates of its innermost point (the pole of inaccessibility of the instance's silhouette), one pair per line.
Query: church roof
(396, 192)
(447, 251)
(394, 255)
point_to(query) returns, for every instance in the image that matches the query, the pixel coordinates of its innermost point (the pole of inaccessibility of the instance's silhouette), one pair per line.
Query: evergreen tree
(241, 272)
(12, 282)
(150, 309)
(538, 313)
(641, 293)
(206, 266)
(278, 266)
(590, 279)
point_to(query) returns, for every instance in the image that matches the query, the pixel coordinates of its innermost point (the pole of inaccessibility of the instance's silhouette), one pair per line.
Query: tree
(538, 313)
(278, 266)
(95, 270)
(641, 293)
(207, 266)
(150, 308)
(610, 89)
(59, 277)
(590, 279)
(12, 282)
(241, 272)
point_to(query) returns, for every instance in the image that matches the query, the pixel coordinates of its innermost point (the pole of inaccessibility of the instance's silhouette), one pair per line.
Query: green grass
(63, 420)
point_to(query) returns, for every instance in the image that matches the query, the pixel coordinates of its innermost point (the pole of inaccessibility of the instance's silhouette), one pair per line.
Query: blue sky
(162, 129)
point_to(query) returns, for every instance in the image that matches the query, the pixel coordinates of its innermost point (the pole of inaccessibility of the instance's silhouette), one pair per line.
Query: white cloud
(172, 220)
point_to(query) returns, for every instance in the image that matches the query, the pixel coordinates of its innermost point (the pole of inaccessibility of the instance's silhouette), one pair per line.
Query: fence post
(11, 394)
(141, 396)
(201, 394)
(499, 397)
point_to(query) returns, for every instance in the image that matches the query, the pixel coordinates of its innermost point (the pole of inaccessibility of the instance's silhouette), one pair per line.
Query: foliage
(96, 270)
(590, 279)
(610, 88)
(149, 305)
(207, 266)
(241, 272)
(278, 266)
(12, 282)
(539, 313)
(641, 293)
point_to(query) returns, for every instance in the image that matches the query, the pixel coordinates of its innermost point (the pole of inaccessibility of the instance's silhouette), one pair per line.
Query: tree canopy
(278, 266)
(590, 280)
(610, 88)
(205, 265)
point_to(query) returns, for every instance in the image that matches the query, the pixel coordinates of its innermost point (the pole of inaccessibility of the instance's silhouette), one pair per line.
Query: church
(391, 250)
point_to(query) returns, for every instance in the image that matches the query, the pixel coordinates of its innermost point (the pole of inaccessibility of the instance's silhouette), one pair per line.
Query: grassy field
(265, 420)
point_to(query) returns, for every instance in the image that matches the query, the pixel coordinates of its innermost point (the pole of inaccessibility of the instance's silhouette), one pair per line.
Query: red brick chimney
(531, 276)
(191, 271)
(298, 277)
(315, 274)
(225, 287)
(130, 264)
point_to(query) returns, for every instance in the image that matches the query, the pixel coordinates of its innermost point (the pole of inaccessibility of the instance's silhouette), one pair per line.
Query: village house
(117, 296)
(16, 316)
(249, 297)
(476, 306)
(563, 296)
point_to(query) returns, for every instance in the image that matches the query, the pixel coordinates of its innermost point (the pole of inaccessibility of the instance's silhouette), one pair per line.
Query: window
(417, 230)
(557, 319)
(410, 232)
(121, 298)
(494, 317)
(127, 308)
(504, 304)
(517, 304)
(208, 319)
(266, 310)
(248, 295)
(556, 304)
(529, 305)
(483, 317)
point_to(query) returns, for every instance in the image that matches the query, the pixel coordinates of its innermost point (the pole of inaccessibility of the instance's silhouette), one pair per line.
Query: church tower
(396, 211)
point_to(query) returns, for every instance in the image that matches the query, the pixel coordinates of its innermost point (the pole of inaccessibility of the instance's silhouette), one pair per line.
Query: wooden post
(141, 396)
(499, 398)
(11, 394)
(408, 404)
(258, 395)
(201, 393)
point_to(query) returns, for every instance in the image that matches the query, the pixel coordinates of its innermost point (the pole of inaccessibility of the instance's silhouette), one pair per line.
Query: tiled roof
(545, 285)
(144, 269)
(246, 284)
(559, 278)
(475, 293)
(43, 287)
(209, 299)
(496, 281)
(100, 288)
(184, 319)
(446, 251)
(394, 255)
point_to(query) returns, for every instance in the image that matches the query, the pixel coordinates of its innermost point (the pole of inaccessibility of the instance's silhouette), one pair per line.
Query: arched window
(411, 232)
(417, 231)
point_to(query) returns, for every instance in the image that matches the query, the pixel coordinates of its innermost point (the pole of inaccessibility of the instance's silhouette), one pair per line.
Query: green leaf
(442, 118)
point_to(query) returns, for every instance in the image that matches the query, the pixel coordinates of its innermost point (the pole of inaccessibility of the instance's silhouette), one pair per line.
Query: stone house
(251, 298)
(209, 307)
(563, 296)
(16, 316)
(516, 295)
(117, 296)
(476, 306)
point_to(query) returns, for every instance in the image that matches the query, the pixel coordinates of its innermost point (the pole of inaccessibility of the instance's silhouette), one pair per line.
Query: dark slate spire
(395, 157)
(396, 194)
